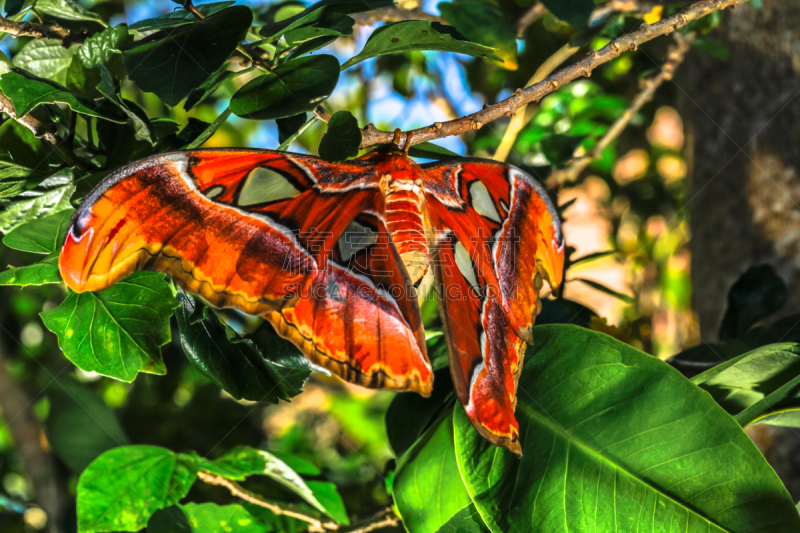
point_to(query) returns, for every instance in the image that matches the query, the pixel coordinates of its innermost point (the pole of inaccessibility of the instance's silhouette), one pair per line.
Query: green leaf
(574, 12)
(43, 236)
(173, 62)
(116, 332)
(209, 131)
(428, 489)
(199, 95)
(205, 518)
(40, 273)
(330, 25)
(467, 520)
(343, 138)
(563, 311)
(428, 150)
(286, 143)
(602, 288)
(46, 58)
(15, 179)
(756, 385)
(591, 257)
(294, 87)
(80, 426)
(67, 10)
(51, 195)
(244, 461)
(239, 367)
(122, 488)
(290, 125)
(715, 49)
(484, 24)
(181, 17)
(315, 12)
(27, 93)
(614, 438)
(409, 35)
(101, 48)
(756, 295)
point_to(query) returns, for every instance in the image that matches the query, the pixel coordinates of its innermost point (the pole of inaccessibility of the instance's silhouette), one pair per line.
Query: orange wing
(259, 231)
(498, 237)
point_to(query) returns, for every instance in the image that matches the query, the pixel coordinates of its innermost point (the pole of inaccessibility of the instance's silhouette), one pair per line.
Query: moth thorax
(406, 222)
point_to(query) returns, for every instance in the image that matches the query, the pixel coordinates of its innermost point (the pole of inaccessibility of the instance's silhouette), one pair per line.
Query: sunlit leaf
(117, 332)
(294, 87)
(614, 438)
(40, 273)
(122, 488)
(51, 195)
(67, 10)
(42, 236)
(409, 35)
(46, 58)
(485, 24)
(204, 518)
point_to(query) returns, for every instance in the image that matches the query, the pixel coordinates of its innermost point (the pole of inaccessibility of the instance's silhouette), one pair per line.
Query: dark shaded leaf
(294, 87)
(409, 35)
(485, 24)
(40, 273)
(117, 332)
(239, 367)
(204, 518)
(290, 125)
(467, 520)
(169, 520)
(209, 131)
(591, 257)
(428, 150)
(612, 430)
(180, 17)
(42, 236)
(343, 138)
(310, 46)
(122, 488)
(317, 11)
(332, 24)
(715, 49)
(607, 290)
(757, 294)
(172, 62)
(294, 136)
(199, 95)
(80, 426)
(563, 311)
(574, 12)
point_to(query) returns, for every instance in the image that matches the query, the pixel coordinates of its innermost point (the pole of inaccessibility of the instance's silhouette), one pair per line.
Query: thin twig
(519, 120)
(675, 57)
(529, 17)
(50, 30)
(39, 129)
(389, 520)
(392, 14)
(629, 42)
(256, 499)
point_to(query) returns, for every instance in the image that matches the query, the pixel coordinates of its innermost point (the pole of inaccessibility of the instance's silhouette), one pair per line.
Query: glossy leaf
(485, 24)
(80, 426)
(409, 35)
(294, 87)
(116, 332)
(607, 290)
(46, 58)
(199, 95)
(180, 17)
(27, 93)
(239, 367)
(67, 10)
(40, 273)
(51, 195)
(467, 520)
(574, 12)
(343, 138)
(42, 236)
(205, 518)
(614, 438)
(122, 488)
(172, 62)
(757, 294)
(294, 136)
(761, 385)
(428, 489)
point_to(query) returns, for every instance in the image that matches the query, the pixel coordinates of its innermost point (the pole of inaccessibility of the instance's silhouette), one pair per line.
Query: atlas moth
(333, 255)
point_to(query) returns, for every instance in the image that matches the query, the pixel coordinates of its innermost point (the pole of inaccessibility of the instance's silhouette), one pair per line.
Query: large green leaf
(80, 426)
(575, 12)
(42, 236)
(181, 17)
(205, 518)
(67, 10)
(244, 461)
(26, 93)
(485, 24)
(758, 387)
(428, 489)
(172, 62)
(343, 138)
(46, 58)
(39, 273)
(51, 195)
(616, 439)
(294, 87)
(409, 35)
(239, 367)
(117, 332)
(314, 13)
(122, 488)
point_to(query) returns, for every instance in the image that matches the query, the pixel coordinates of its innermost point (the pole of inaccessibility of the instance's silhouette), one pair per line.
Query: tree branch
(39, 129)
(529, 17)
(388, 520)
(42, 31)
(675, 57)
(629, 42)
(256, 499)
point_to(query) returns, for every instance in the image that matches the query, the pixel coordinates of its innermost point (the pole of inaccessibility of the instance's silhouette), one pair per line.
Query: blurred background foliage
(629, 202)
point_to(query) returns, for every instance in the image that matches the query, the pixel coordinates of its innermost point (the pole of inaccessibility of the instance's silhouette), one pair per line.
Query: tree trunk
(743, 132)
